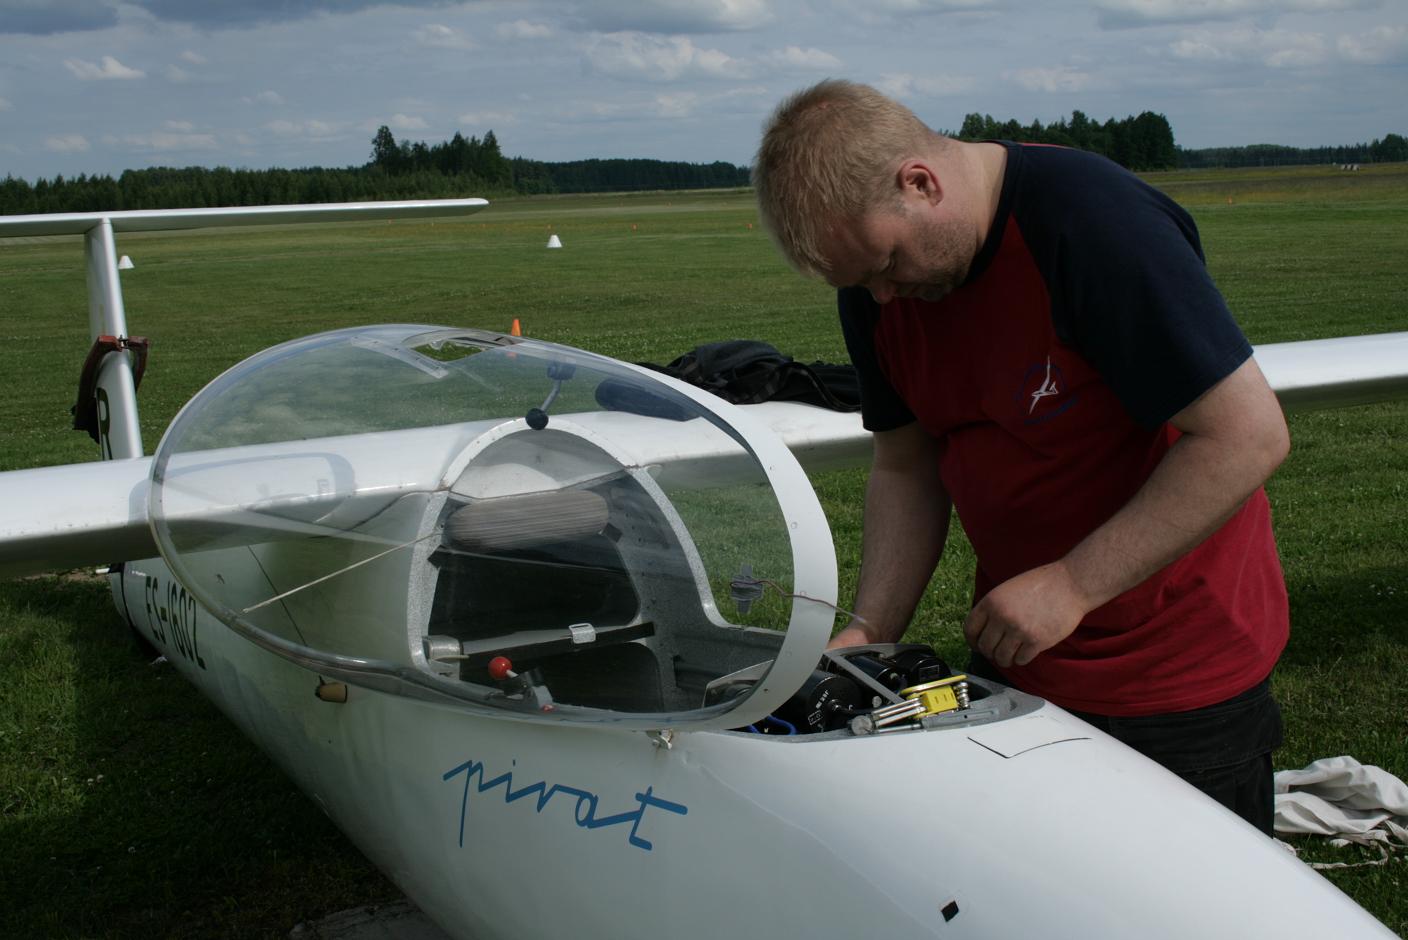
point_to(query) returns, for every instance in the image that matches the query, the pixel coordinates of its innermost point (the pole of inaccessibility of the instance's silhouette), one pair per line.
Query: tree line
(1391, 148)
(1145, 142)
(472, 166)
(482, 162)
(456, 168)
(1142, 142)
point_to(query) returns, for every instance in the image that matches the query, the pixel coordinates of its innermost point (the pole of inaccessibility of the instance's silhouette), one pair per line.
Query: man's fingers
(1005, 650)
(985, 642)
(991, 639)
(973, 624)
(1025, 655)
(1003, 643)
(985, 633)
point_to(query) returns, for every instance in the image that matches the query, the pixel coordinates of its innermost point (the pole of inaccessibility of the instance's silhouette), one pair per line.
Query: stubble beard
(948, 265)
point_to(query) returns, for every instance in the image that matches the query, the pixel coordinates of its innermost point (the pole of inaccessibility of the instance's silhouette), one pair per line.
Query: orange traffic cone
(515, 330)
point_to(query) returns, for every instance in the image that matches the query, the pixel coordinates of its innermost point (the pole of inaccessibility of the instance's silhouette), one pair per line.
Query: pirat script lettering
(584, 813)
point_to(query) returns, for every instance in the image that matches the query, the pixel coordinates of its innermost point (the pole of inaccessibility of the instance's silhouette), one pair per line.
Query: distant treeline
(1138, 143)
(620, 176)
(1393, 148)
(397, 170)
(473, 167)
(1146, 143)
(482, 163)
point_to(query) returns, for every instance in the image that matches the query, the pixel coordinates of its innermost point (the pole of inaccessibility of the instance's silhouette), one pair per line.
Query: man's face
(907, 250)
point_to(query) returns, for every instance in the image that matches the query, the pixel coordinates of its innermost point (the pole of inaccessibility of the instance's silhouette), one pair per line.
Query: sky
(99, 86)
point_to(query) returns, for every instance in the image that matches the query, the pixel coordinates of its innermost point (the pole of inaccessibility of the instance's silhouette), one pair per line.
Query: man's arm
(906, 522)
(1234, 436)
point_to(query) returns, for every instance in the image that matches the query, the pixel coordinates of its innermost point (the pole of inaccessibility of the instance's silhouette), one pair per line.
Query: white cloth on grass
(1345, 800)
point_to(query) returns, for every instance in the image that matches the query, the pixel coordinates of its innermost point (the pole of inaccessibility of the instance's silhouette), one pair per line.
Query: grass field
(130, 808)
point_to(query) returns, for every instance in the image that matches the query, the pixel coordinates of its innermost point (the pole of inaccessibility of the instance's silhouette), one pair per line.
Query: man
(1040, 346)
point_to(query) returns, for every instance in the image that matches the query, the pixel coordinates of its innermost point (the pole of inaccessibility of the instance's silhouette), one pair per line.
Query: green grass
(129, 806)
(186, 830)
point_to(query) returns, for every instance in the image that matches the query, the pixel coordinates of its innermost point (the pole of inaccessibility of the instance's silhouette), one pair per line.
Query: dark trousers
(1222, 749)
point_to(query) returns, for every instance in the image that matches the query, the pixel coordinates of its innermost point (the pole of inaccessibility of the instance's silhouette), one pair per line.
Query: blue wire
(783, 723)
(791, 728)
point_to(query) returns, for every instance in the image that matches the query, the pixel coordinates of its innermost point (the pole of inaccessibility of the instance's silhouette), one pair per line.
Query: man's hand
(1026, 615)
(853, 635)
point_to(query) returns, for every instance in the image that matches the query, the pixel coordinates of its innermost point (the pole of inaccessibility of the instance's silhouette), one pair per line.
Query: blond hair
(827, 157)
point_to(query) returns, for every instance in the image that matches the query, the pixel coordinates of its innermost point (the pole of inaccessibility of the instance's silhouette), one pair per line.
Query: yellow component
(335, 692)
(935, 696)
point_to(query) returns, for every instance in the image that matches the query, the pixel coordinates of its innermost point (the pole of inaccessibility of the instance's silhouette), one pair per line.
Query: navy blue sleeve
(881, 407)
(1130, 289)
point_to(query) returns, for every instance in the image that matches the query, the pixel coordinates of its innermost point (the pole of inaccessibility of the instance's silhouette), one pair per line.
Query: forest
(473, 166)
(1146, 143)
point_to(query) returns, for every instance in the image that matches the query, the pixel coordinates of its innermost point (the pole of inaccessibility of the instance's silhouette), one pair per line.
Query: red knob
(500, 668)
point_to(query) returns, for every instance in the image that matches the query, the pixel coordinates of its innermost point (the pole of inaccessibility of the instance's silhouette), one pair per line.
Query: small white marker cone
(125, 263)
(554, 242)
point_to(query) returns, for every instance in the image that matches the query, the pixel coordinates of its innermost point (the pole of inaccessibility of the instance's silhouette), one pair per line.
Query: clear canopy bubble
(517, 525)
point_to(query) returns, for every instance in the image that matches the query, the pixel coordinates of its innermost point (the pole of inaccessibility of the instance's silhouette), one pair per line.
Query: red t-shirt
(1040, 446)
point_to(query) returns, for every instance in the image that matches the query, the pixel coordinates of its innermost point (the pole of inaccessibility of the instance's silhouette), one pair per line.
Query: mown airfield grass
(130, 808)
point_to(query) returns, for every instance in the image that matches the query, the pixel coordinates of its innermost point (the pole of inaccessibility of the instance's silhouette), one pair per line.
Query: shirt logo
(1047, 387)
(1043, 394)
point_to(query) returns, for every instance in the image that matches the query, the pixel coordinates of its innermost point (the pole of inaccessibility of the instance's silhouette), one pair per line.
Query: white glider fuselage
(1031, 824)
(614, 804)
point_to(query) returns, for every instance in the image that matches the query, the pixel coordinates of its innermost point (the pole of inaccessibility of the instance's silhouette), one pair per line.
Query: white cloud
(184, 127)
(603, 109)
(676, 105)
(658, 58)
(109, 68)
(1295, 50)
(727, 14)
(47, 17)
(1278, 49)
(163, 141)
(1379, 46)
(439, 36)
(522, 29)
(486, 118)
(1200, 49)
(908, 7)
(1051, 81)
(904, 85)
(673, 104)
(179, 74)
(303, 128)
(675, 16)
(406, 122)
(795, 57)
(1116, 14)
(67, 143)
(264, 97)
(865, 15)
(5, 105)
